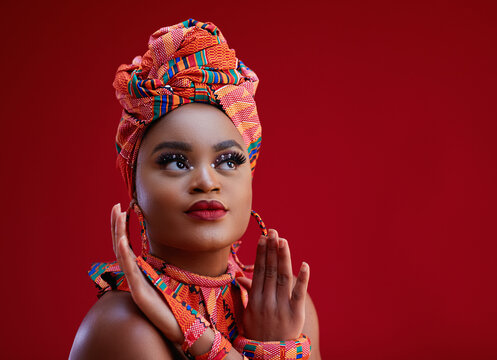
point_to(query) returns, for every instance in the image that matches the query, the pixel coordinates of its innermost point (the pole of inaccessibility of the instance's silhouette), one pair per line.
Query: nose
(204, 180)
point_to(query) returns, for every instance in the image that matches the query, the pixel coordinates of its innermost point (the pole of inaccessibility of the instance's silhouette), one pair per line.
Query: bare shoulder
(311, 326)
(115, 328)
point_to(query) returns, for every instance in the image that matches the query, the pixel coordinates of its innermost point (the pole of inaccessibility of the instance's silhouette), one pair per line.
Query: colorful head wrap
(187, 62)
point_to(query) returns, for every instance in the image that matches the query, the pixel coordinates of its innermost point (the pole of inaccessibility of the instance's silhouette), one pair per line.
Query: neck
(207, 263)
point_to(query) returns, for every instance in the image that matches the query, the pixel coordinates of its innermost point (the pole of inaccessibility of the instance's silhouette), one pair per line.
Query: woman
(189, 175)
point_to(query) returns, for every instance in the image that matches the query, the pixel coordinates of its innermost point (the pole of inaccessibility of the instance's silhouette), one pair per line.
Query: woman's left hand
(276, 306)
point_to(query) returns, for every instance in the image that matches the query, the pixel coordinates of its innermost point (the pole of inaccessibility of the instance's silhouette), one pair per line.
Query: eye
(229, 161)
(227, 165)
(171, 161)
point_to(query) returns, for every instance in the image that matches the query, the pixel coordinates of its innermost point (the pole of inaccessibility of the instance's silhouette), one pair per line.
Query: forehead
(200, 125)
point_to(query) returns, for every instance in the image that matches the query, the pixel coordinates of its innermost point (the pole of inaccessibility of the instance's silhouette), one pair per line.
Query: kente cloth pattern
(299, 348)
(214, 298)
(185, 63)
(219, 351)
(198, 302)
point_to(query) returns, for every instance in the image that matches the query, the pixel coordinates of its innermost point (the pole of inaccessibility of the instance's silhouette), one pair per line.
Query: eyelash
(236, 157)
(166, 158)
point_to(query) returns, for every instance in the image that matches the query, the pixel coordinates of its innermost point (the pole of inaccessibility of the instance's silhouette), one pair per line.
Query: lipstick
(207, 210)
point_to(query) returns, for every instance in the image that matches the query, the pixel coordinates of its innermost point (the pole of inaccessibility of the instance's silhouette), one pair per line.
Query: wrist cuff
(219, 350)
(299, 348)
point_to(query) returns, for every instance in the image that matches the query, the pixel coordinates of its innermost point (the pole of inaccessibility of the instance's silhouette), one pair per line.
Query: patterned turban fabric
(185, 63)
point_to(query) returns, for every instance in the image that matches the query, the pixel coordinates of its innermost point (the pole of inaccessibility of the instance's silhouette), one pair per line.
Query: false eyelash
(166, 158)
(236, 157)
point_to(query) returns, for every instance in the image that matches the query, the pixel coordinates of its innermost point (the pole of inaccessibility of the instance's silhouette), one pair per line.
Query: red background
(378, 163)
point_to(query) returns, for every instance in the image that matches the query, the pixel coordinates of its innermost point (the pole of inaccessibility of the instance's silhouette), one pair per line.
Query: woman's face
(194, 153)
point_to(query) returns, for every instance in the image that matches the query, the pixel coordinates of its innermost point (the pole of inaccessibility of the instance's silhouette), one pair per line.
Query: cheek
(241, 201)
(158, 197)
(163, 212)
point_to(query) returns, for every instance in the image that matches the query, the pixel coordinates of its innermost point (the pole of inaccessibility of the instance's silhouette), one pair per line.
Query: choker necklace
(186, 277)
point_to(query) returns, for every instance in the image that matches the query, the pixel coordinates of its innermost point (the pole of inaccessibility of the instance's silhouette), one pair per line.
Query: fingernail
(119, 206)
(262, 241)
(304, 267)
(273, 242)
(281, 243)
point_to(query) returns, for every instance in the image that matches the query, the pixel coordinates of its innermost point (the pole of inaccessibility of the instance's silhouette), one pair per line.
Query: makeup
(207, 210)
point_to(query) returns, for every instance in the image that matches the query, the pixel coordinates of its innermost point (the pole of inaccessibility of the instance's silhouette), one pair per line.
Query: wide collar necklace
(186, 277)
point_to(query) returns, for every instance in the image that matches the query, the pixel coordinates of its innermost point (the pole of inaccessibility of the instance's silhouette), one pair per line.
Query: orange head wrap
(187, 62)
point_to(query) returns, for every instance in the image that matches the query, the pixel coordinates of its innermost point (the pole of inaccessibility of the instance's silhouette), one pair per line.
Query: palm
(276, 306)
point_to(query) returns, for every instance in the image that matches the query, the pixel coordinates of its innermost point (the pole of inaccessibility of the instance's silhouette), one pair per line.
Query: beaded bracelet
(299, 348)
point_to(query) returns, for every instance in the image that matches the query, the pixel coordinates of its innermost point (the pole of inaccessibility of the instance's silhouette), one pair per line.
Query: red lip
(207, 210)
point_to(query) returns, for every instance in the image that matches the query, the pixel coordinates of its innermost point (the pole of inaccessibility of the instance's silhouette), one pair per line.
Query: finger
(146, 297)
(116, 209)
(285, 275)
(270, 275)
(122, 238)
(144, 294)
(129, 266)
(259, 268)
(245, 282)
(126, 257)
(300, 289)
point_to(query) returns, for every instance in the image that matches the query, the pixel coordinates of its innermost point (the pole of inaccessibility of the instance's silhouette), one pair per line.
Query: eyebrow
(179, 145)
(226, 144)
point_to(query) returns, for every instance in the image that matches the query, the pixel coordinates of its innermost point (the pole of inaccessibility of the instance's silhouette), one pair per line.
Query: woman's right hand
(145, 296)
(276, 306)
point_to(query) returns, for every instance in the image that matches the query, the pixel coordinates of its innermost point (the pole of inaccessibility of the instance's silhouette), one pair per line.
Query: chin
(204, 235)
(210, 239)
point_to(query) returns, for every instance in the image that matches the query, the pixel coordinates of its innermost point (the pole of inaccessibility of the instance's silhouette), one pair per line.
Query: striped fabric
(218, 300)
(185, 63)
(274, 350)
(198, 302)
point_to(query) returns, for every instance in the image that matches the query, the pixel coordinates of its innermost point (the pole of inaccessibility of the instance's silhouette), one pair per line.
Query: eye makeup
(165, 158)
(234, 156)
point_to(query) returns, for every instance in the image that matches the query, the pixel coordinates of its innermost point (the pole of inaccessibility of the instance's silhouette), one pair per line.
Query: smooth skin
(139, 325)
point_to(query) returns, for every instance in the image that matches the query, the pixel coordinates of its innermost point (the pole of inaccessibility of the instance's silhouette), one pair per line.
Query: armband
(219, 350)
(299, 348)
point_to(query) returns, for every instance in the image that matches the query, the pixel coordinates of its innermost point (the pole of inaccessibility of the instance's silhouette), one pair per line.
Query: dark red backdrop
(378, 164)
